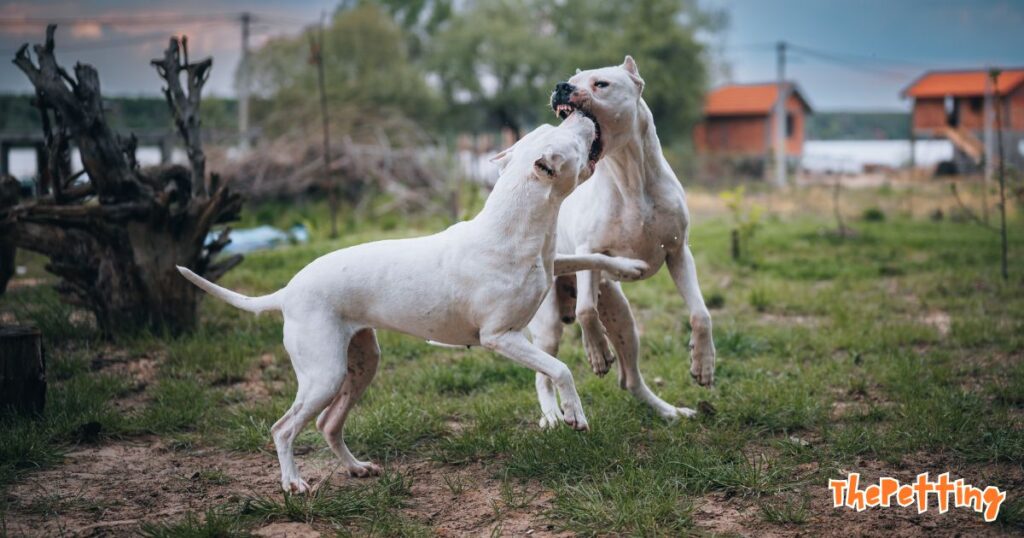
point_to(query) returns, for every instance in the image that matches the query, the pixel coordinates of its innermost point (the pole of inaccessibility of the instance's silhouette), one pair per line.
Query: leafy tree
(502, 57)
(497, 60)
(369, 76)
(660, 34)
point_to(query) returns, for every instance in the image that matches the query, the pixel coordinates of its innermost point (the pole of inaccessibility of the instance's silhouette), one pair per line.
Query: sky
(845, 54)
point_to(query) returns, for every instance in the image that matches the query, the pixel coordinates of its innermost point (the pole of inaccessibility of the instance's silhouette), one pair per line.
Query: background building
(959, 105)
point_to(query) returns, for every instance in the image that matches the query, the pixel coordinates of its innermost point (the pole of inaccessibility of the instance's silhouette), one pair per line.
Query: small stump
(22, 370)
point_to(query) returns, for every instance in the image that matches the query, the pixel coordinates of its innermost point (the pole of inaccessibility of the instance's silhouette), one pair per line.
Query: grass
(819, 338)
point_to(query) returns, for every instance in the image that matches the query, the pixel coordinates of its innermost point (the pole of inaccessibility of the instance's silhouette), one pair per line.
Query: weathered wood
(185, 106)
(22, 370)
(9, 191)
(114, 240)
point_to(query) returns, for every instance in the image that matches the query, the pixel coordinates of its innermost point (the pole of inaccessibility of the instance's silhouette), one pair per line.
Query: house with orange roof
(952, 104)
(739, 118)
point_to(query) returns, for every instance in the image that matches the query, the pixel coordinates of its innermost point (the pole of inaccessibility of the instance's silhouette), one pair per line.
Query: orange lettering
(994, 499)
(838, 487)
(872, 494)
(905, 495)
(888, 487)
(942, 490)
(922, 487)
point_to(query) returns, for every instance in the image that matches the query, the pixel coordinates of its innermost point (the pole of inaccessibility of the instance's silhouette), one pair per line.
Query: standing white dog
(634, 206)
(477, 283)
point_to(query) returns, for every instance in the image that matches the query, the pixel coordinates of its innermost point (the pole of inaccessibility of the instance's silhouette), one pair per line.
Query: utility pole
(243, 86)
(316, 56)
(994, 75)
(990, 146)
(780, 115)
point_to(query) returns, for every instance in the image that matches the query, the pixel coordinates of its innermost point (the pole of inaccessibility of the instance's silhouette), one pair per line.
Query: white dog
(633, 206)
(477, 283)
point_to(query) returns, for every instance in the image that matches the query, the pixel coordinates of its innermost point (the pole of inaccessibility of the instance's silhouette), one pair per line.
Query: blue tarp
(261, 238)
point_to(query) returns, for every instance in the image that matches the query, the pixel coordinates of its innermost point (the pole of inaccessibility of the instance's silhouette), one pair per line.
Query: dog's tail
(235, 299)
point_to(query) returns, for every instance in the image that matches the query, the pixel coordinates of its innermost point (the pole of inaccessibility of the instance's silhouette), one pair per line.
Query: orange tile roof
(961, 83)
(743, 99)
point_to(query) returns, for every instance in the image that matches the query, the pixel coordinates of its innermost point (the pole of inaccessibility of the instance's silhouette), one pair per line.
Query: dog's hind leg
(546, 332)
(363, 358)
(618, 320)
(317, 346)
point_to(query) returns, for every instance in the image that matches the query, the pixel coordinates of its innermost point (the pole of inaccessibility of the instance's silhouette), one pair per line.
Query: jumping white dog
(633, 206)
(477, 283)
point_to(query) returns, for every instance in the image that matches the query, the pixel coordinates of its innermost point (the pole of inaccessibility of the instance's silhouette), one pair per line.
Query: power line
(857, 66)
(871, 58)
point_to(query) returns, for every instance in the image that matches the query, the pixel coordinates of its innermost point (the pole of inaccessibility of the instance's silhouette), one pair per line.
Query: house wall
(1015, 109)
(744, 135)
(929, 113)
(795, 142)
(971, 112)
(749, 135)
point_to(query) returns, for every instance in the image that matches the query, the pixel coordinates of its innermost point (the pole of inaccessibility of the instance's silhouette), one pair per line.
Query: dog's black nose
(562, 92)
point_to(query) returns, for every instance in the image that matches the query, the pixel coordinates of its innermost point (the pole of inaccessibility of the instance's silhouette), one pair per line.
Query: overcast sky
(846, 54)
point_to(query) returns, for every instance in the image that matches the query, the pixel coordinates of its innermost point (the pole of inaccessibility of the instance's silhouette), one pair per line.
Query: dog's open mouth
(564, 110)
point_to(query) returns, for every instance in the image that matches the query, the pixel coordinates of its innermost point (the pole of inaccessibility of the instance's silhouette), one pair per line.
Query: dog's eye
(600, 84)
(544, 168)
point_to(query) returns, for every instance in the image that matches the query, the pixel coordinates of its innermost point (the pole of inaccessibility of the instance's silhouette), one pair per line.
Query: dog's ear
(502, 158)
(549, 164)
(629, 64)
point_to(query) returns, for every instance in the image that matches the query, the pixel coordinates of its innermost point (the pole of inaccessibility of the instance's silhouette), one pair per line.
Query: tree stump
(22, 370)
(114, 233)
(9, 190)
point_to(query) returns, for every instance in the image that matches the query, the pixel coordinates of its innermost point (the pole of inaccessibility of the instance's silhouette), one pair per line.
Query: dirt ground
(112, 488)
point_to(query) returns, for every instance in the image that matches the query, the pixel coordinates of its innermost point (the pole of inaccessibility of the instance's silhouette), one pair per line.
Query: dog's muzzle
(561, 103)
(561, 96)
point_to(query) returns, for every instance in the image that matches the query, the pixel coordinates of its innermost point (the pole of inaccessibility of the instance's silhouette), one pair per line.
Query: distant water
(23, 160)
(853, 155)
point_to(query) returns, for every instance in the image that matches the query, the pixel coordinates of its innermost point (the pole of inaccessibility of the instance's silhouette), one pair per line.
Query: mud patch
(471, 501)
(110, 490)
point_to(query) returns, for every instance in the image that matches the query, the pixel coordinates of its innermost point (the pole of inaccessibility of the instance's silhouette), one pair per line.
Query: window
(789, 125)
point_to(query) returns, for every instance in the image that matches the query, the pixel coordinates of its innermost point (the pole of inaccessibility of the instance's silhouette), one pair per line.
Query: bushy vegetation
(491, 63)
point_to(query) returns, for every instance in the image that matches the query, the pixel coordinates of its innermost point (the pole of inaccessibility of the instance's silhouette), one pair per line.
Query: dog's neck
(522, 213)
(638, 159)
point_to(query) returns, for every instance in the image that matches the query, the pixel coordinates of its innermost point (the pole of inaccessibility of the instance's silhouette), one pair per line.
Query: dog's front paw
(551, 419)
(363, 469)
(628, 268)
(296, 486)
(598, 352)
(572, 414)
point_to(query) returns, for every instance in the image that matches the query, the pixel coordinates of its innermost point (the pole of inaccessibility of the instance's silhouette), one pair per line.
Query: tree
(368, 73)
(660, 34)
(114, 235)
(498, 58)
(502, 57)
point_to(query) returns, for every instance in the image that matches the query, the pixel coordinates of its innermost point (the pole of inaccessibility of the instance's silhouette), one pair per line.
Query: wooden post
(10, 192)
(316, 57)
(735, 236)
(22, 370)
(994, 74)
(5, 158)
